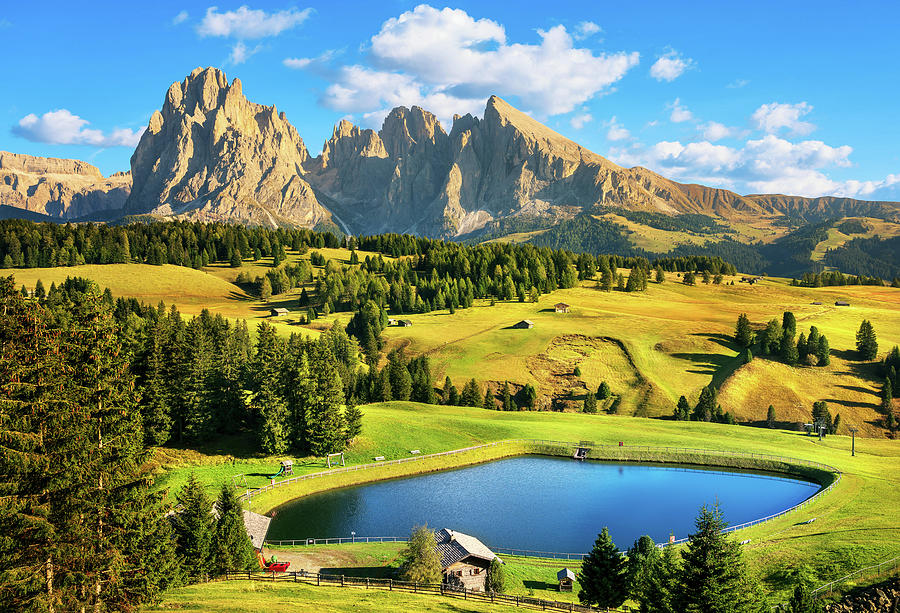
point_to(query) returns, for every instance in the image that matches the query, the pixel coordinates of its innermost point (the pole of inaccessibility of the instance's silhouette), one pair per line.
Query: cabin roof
(565, 574)
(280, 310)
(454, 546)
(561, 304)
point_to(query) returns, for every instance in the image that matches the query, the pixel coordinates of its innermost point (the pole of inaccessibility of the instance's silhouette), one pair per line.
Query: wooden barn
(841, 303)
(278, 312)
(566, 580)
(464, 559)
(561, 307)
(525, 324)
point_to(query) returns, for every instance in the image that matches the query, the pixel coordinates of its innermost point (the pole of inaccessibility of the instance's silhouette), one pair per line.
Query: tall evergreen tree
(590, 403)
(324, 422)
(231, 547)
(602, 575)
(823, 352)
(787, 349)
(887, 396)
(506, 398)
(642, 562)
(803, 601)
(194, 528)
(352, 422)
(659, 592)
(789, 323)
(743, 334)
(471, 394)
(682, 409)
(267, 405)
(488, 401)
(606, 280)
(713, 577)
(866, 342)
(770, 417)
(705, 409)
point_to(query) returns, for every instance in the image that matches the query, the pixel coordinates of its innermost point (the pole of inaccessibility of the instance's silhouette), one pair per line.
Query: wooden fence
(434, 589)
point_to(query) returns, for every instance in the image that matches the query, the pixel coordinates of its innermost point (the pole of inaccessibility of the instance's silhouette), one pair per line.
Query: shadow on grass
(853, 404)
(375, 572)
(539, 585)
(720, 339)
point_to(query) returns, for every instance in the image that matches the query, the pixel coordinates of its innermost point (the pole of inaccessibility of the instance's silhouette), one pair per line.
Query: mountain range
(210, 154)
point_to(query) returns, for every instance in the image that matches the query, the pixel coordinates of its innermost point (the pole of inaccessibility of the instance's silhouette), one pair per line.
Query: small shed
(841, 303)
(404, 323)
(525, 324)
(279, 311)
(566, 580)
(392, 321)
(561, 307)
(817, 302)
(288, 467)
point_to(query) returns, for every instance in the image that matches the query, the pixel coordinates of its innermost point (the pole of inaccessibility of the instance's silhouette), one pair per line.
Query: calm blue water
(541, 503)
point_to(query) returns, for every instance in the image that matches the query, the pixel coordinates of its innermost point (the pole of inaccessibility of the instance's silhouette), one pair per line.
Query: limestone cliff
(212, 155)
(61, 189)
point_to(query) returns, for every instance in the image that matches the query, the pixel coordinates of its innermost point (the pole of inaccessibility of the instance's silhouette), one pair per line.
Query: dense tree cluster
(80, 529)
(778, 340)
(836, 277)
(710, 576)
(870, 257)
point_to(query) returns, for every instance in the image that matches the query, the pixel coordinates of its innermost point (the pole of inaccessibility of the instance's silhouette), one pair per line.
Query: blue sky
(790, 97)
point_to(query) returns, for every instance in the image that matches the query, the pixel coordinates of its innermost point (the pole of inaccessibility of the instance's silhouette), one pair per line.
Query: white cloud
(767, 165)
(771, 118)
(870, 189)
(679, 112)
(65, 128)
(179, 18)
(450, 58)
(616, 131)
(581, 120)
(247, 23)
(586, 29)
(300, 63)
(240, 53)
(670, 66)
(714, 131)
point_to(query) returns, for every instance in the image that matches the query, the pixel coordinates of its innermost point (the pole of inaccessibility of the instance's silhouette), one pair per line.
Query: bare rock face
(62, 189)
(212, 155)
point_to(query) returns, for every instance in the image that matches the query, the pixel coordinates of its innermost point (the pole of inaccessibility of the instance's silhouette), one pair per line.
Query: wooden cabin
(278, 312)
(566, 580)
(841, 303)
(561, 307)
(464, 559)
(404, 323)
(525, 324)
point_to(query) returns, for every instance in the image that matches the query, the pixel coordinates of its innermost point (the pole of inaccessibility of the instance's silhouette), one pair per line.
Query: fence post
(391, 585)
(318, 579)
(415, 587)
(465, 597)
(342, 580)
(248, 575)
(367, 583)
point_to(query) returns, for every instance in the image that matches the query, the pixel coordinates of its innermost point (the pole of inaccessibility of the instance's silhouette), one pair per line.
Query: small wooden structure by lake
(278, 312)
(464, 559)
(566, 580)
(525, 324)
(561, 307)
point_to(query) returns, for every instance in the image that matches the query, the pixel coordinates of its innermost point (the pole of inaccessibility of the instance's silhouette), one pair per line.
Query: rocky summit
(58, 188)
(212, 155)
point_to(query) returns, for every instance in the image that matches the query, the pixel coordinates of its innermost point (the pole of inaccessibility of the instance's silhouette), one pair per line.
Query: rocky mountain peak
(212, 154)
(404, 129)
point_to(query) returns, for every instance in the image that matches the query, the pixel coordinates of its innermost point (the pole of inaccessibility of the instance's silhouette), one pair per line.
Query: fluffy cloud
(586, 29)
(714, 131)
(65, 128)
(581, 120)
(771, 118)
(767, 165)
(448, 56)
(616, 131)
(670, 66)
(179, 18)
(679, 112)
(247, 23)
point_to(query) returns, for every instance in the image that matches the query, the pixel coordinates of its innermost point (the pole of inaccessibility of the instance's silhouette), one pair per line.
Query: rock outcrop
(212, 155)
(61, 189)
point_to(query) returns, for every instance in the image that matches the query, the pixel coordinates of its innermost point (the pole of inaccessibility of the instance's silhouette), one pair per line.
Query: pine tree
(267, 406)
(823, 353)
(789, 323)
(529, 396)
(590, 403)
(602, 575)
(506, 398)
(866, 343)
(39, 291)
(743, 334)
(660, 275)
(706, 405)
(152, 381)
(419, 561)
(689, 278)
(802, 350)
(804, 601)
(232, 549)
(471, 394)
(606, 280)
(787, 349)
(496, 580)
(445, 392)
(713, 577)
(682, 409)
(822, 416)
(488, 402)
(603, 391)
(660, 590)
(352, 422)
(770, 417)
(194, 528)
(265, 289)
(642, 562)
(324, 431)
(887, 396)
(620, 282)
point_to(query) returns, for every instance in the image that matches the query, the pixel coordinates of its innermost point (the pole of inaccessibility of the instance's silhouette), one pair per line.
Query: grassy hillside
(651, 347)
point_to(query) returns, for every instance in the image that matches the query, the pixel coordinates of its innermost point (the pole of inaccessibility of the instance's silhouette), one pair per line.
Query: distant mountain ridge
(211, 154)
